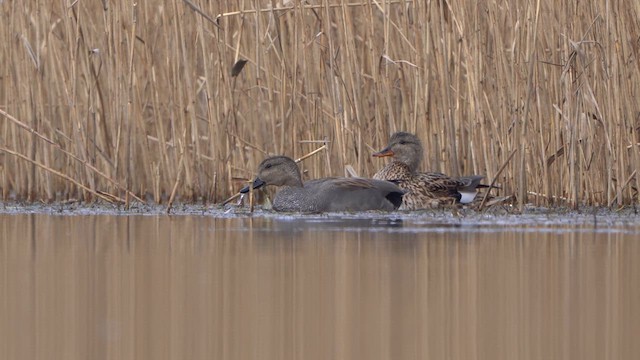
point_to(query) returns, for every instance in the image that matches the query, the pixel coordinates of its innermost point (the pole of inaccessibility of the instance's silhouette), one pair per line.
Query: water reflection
(194, 287)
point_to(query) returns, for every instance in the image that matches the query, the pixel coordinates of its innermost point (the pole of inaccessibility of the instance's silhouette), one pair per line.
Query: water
(321, 287)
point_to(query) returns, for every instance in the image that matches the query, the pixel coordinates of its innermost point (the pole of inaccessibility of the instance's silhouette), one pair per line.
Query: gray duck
(423, 189)
(323, 195)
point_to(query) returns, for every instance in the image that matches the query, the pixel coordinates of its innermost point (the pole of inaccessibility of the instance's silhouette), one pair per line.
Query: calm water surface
(204, 287)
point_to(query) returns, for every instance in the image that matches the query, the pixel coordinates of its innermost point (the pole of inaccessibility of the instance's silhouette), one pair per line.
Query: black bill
(257, 183)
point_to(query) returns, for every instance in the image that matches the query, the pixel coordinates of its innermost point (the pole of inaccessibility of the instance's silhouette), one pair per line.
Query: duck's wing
(355, 194)
(463, 189)
(353, 184)
(438, 182)
(435, 186)
(471, 182)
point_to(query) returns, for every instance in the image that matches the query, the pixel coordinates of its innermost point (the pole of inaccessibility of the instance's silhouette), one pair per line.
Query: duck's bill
(257, 184)
(383, 153)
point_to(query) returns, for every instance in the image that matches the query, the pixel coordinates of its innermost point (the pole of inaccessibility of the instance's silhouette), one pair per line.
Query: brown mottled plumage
(424, 189)
(322, 195)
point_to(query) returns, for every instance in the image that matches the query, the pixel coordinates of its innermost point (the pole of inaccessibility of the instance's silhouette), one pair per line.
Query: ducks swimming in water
(423, 189)
(323, 195)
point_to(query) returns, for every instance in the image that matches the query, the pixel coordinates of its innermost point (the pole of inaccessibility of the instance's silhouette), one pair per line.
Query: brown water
(200, 287)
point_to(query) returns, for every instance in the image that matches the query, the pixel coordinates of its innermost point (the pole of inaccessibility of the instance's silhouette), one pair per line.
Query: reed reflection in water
(191, 287)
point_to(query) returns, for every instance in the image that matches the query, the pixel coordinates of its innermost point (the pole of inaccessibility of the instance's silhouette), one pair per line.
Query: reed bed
(118, 100)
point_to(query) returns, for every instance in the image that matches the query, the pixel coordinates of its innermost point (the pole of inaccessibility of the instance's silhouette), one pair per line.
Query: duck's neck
(411, 165)
(412, 160)
(293, 181)
(395, 170)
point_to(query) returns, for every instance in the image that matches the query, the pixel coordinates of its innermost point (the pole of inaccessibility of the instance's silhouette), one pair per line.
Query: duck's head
(278, 171)
(405, 148)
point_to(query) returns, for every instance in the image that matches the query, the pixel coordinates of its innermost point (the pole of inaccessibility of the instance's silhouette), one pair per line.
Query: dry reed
(121, 99)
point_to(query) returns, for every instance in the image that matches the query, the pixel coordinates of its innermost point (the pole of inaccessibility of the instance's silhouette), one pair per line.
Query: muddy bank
(496, 216)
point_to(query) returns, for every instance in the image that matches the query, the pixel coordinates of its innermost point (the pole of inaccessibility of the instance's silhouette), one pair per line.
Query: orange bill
(383, 153)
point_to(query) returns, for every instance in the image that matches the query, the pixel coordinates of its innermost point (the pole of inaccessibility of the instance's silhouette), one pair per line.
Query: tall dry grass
(122, 99)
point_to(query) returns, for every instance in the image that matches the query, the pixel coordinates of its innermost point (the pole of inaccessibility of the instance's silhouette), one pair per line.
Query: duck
(334, 194)
(423, 189)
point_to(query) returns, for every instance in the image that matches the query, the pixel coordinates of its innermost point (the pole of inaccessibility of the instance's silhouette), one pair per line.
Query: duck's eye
(403, 142)
(268, 166)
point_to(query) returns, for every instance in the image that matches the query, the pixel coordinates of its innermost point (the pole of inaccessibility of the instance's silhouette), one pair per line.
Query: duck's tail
(470, 184)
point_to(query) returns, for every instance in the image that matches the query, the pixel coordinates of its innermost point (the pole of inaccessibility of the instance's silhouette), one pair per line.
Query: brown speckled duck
(424, 189)
(323, 195)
